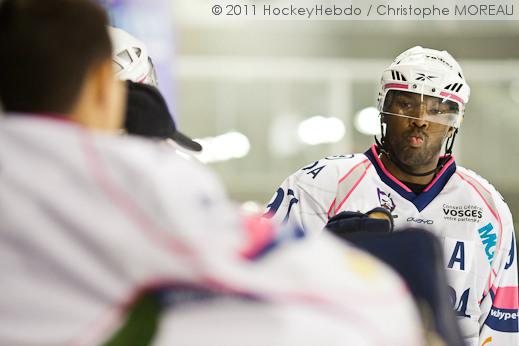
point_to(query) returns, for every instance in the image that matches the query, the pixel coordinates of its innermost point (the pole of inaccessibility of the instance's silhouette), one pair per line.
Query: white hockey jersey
(461, 208)
(89, 221)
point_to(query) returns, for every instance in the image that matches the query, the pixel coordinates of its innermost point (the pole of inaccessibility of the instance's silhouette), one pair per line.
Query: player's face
(413, 140)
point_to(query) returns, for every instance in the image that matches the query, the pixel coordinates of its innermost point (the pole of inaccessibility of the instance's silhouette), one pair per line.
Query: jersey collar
(421, 200)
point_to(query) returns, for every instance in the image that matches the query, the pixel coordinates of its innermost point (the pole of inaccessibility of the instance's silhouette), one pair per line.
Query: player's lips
(415, 140)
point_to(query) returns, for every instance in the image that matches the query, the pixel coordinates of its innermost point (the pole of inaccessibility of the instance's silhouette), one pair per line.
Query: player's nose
(419, 120)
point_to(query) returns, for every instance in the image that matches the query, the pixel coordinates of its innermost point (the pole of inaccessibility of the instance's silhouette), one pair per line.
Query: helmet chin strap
(384, 149)
(448, 146)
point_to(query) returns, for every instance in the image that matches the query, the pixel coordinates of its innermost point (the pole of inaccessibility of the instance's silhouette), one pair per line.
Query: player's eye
(405, 104)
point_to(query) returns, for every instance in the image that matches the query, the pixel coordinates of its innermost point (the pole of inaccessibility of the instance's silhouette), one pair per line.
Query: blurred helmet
(130, 58)
(427, 72)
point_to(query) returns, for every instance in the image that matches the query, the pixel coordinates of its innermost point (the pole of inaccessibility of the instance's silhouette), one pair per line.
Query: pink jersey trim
(355, 186)
(340, 181)
(490, 287)
(506, 297)
(431, 184)
(56, 116)
(386, 172)
(351, 170)
(62, 118)
(331, 207)
(451, 96)
(126, 204)
(142, 79)
(496, 215)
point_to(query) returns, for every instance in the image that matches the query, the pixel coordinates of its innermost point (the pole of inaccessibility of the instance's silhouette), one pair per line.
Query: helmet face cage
(130, 58)
(429, 73)
(151, 77)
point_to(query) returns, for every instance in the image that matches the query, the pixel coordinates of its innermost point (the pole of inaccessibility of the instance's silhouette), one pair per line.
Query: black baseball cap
(147, 115)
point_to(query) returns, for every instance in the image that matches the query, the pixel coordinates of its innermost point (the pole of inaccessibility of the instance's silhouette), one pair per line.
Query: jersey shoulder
(478, 182)
(159, 179)
(328, 170)
(486, 191)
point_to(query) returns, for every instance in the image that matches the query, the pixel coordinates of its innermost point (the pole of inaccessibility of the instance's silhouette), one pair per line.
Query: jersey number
(460, 307)
(273, 207)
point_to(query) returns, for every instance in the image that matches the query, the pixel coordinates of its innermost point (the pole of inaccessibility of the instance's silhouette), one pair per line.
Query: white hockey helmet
(130, 58)
(427, 72)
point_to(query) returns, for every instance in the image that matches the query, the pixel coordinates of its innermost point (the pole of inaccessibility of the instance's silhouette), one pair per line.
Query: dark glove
(349, 222)
(147, 115)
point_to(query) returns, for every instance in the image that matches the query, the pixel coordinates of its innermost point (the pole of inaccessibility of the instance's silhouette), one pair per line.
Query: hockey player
(147, 113)
(111, 240)
(422, 97)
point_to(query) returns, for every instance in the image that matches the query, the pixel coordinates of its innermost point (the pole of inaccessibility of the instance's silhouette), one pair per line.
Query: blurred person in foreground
(114, 240)
(422, 97)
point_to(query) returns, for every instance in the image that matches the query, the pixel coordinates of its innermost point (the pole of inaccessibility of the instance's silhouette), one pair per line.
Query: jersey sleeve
(499, 323)
(305, 197)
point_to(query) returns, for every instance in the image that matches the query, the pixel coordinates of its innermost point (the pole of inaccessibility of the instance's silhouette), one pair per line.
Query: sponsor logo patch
(420, 221)
(423, 77)
(385, 200)
(462, 213)
(502, 320)
(489, 240)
